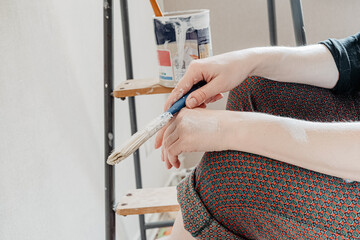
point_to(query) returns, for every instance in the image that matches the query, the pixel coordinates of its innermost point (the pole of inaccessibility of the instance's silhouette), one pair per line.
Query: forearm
(313, 64)
(330, 148)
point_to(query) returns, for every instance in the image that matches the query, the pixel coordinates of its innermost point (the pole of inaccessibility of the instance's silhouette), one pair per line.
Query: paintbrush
(153, 127)
(156, 8)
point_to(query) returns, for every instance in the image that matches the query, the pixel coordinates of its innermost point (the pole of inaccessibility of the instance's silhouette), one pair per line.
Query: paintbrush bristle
(138, 139)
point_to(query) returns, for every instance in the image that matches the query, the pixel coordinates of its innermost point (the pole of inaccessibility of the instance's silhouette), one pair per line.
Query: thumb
(199, 96)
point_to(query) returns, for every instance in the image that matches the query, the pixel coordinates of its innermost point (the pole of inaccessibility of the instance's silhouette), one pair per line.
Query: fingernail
(192, 102)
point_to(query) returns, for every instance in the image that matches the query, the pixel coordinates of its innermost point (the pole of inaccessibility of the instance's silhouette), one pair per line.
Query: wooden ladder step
(148, 200)
(135, 87)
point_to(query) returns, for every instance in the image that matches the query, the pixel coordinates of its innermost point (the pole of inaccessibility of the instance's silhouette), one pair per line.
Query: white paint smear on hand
(203, 124)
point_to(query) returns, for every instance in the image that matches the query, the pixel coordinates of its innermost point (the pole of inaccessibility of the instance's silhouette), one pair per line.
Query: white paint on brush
(138, 139)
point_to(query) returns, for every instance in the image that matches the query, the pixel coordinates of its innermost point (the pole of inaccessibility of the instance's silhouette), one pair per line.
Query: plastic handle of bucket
(179, 104)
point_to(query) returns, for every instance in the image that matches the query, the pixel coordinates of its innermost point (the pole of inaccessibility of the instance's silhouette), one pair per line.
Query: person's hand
(222, 73)
(194, 130)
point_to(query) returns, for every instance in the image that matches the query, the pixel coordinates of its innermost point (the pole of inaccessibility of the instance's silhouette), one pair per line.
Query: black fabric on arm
(346, 53)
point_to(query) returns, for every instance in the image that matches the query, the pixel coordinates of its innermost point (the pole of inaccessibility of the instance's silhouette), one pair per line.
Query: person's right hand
(222, 73)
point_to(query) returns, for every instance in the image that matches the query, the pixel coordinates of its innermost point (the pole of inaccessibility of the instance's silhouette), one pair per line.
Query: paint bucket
(181, 37)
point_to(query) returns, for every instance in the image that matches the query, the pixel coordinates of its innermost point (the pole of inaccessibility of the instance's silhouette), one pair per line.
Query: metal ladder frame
(110, 228)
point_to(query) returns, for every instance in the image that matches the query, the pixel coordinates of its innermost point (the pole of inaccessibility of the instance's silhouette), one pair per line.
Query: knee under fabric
(240, 195)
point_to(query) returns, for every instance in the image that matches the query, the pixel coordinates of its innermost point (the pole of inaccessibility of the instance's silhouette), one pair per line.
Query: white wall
(51, 117)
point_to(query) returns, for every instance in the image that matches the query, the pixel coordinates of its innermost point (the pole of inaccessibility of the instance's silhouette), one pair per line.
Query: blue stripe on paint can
(166, 78)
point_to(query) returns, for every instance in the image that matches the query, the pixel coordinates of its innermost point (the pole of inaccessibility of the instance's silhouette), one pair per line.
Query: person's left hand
(192, 130)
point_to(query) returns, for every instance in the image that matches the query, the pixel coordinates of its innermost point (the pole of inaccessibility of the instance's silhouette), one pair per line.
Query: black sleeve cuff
(342, 62)
(346, 53)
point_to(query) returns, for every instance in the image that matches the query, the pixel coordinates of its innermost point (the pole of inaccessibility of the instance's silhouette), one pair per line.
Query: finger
(168, 165)
(167, 162)
(173, 152)
(162, 155)
(165, 135)
(218, 97)
(202, 94)
(192, 76)
(177, 164)
(203, 105)
(170, 138)
(210, 100)
(169, 130)
(160, 135)
(174, 161)
(166, 159)
(214, 98)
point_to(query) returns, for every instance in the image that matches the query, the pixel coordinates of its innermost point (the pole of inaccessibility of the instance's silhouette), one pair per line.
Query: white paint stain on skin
(202, 124)
(181, 93)
(296, 132)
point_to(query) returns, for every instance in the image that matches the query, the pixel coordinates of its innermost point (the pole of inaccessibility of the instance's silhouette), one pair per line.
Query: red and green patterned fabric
(238, 195)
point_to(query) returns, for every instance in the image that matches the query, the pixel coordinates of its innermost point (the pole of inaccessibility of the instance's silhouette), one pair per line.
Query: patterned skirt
(239, 195)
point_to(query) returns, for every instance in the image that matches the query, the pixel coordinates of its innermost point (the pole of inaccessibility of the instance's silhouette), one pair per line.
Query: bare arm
(330, 148)
(312, 65)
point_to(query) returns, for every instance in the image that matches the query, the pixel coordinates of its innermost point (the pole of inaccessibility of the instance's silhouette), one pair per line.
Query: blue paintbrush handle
(179, 104)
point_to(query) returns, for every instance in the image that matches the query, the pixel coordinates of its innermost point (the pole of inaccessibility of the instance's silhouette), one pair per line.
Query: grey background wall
(51, 102)
(238, 24)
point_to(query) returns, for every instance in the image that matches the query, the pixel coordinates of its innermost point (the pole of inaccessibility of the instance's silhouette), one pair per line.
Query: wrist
(248, 60)
(259, 59)
(240, 64)
(233, 129)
